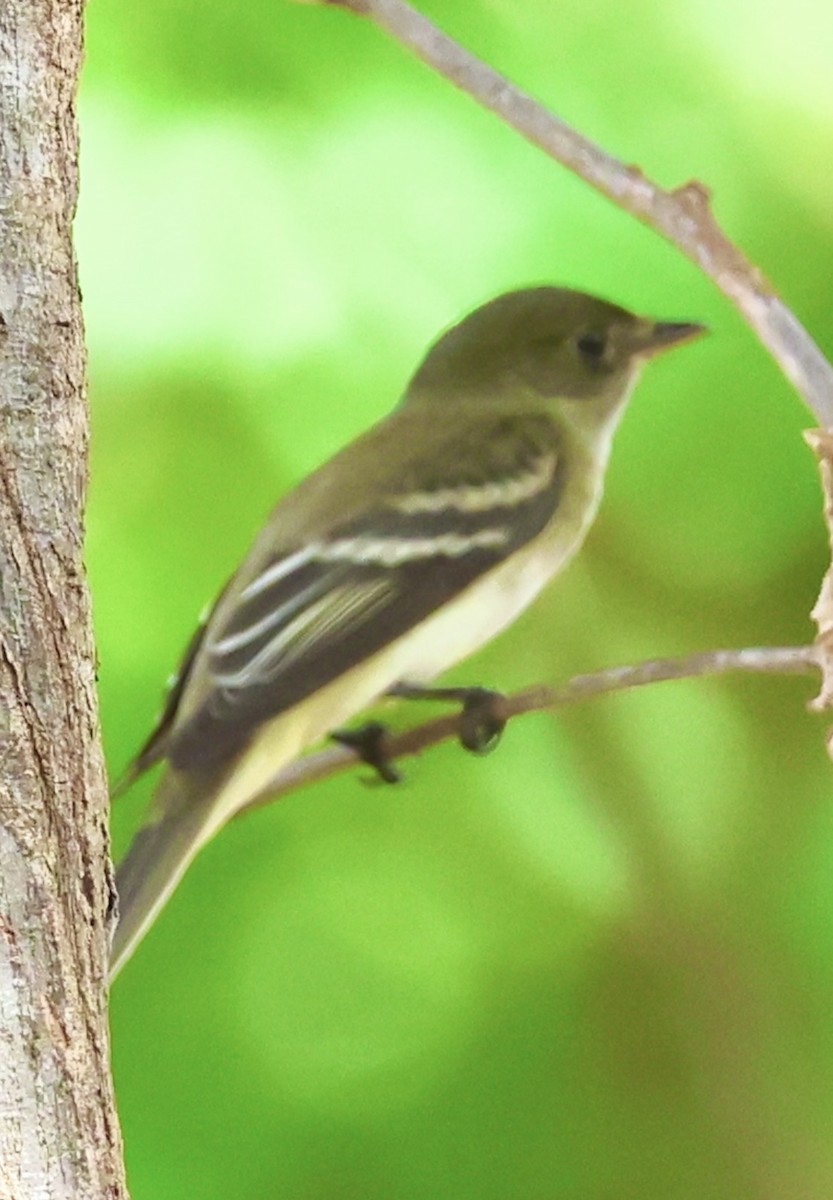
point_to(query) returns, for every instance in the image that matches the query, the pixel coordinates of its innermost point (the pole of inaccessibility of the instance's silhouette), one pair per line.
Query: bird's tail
(159, 856)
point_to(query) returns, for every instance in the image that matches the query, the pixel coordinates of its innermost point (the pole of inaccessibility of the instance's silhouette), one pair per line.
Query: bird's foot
(482, 719)
(369, 743)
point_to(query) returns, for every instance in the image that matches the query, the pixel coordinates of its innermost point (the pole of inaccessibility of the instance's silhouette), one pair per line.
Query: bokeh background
(597, 965)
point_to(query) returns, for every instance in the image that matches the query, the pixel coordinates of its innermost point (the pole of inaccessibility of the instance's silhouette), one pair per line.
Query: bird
(399, 557)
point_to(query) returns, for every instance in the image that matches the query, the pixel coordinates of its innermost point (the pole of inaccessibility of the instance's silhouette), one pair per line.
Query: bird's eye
(591, 347)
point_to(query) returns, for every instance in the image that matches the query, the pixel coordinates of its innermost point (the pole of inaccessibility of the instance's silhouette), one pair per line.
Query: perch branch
(767, 660)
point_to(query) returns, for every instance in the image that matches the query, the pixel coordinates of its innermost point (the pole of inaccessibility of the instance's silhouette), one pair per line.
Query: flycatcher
(399, 557)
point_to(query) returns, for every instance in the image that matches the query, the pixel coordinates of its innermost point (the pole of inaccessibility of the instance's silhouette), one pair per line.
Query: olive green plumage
(402, 555)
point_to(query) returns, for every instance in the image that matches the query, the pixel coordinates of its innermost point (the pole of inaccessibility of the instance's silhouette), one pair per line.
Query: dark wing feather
(155, 747)
(316, 611)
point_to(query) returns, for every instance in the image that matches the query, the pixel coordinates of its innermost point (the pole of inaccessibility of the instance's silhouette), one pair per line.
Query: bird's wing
(316, 609)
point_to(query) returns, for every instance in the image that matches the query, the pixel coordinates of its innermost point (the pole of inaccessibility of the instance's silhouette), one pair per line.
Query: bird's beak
(658, 336)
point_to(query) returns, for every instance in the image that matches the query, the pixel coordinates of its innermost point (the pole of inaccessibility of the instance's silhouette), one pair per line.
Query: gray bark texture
(59, 1136)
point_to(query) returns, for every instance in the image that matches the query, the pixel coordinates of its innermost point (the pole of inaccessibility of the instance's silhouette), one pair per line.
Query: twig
(682, 216)
(766, 660)
(821, 442)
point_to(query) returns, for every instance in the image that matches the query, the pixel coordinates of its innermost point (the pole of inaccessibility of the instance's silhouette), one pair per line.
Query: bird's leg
(368, 742)
(482, 720)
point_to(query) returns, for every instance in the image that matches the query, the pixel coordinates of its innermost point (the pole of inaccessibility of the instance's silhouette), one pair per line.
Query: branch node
(695, 195)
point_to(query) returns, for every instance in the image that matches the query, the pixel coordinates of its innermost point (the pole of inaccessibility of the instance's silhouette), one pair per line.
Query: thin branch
(683, 216)
(766, 660)
(821, 442)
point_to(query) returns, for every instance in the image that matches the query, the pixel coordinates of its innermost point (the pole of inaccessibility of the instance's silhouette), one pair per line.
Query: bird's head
(551, 342)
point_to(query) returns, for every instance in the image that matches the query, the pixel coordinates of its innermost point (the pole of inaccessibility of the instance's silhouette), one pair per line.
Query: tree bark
(59, 1136)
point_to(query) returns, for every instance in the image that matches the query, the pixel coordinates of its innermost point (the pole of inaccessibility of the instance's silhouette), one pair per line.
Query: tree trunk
(58, 1132)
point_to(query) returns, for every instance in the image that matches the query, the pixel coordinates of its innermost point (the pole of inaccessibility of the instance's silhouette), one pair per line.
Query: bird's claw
(482, 721)
(369, 743)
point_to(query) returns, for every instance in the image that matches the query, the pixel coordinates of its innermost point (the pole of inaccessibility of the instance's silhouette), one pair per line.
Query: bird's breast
(495, 600)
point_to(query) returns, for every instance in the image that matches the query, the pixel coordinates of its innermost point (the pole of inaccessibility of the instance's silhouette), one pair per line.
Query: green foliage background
(598, 964)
